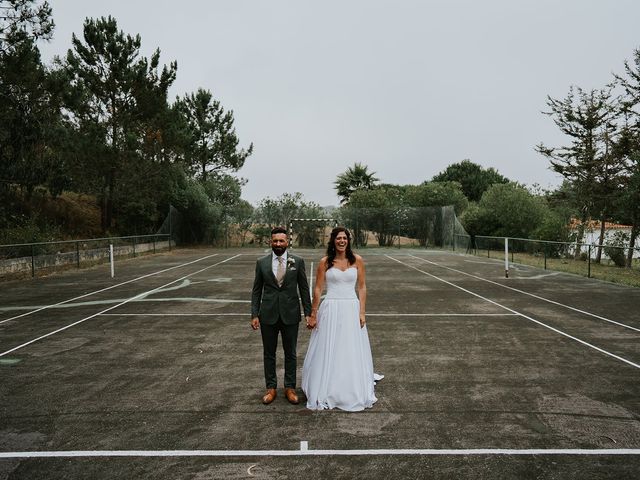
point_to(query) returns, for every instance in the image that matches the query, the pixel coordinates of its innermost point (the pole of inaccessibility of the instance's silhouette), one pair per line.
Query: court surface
(156, 373)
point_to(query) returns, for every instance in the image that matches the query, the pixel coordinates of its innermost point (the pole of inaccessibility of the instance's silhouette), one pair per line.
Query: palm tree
(355, 178)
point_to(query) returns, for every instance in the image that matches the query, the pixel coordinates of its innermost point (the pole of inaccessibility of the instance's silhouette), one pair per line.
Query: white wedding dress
(338, 368)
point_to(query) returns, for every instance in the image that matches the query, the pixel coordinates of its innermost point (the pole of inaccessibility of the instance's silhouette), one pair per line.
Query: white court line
(111, 308)
(587, 344)
(105, 289)
(174, 314)
(443, 314)
(530, 294)
(305, 451)
(368, 314)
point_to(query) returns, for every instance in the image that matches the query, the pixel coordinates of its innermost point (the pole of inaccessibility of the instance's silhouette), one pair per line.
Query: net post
(33, 262)
(589, 262)
(506, 257)
(111, 259)
(78, 254)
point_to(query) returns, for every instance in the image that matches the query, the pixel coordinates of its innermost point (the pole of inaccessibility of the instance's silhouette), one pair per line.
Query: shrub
(614, 249)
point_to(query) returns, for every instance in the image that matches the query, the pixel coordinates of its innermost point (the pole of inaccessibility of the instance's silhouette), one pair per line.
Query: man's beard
(279, 250)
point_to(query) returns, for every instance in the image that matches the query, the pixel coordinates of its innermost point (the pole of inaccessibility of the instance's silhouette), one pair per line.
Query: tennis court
(156, 373)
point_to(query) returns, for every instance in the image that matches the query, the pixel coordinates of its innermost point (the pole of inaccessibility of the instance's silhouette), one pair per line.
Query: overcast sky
(406, 87)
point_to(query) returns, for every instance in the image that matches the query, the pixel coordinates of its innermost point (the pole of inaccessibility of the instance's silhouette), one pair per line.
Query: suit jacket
(270, 302)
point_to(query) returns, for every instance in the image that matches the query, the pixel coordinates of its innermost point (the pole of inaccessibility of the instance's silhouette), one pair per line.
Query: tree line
(98, 121)
(600, 162)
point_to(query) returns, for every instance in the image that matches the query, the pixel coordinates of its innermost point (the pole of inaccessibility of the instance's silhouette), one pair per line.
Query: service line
(105, 289)
(114, 306)
(587, 344)
(530, 294)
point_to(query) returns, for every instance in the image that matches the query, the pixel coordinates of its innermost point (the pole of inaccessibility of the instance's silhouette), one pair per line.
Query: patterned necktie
(280, 271)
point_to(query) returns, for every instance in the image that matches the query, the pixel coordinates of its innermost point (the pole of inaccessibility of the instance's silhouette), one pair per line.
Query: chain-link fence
(31, 259)
(402, 226)
(606, 262)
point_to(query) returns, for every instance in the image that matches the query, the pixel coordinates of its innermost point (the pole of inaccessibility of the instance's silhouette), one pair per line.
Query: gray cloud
(405, 87)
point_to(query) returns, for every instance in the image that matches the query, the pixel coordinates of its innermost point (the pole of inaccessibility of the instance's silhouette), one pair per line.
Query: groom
(279, 285)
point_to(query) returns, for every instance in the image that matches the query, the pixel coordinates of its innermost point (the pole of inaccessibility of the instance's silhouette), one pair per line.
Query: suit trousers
(289, 335)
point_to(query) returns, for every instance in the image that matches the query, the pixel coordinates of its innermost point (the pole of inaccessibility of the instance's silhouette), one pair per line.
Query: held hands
(255, 323)
(311, 321)
(362, 320)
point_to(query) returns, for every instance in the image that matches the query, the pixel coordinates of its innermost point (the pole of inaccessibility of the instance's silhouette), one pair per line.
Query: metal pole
(453, 235)
(78, 253)
(134, 246)
(291, 234)
(33, 262)
(506, 257)
(589, 263)
(545, 259)
(111, 258)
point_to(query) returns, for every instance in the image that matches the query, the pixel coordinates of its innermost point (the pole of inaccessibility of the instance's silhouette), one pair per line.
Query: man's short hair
(278, 230)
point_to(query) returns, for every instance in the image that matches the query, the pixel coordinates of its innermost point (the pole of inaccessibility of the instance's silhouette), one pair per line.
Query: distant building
(592, 234)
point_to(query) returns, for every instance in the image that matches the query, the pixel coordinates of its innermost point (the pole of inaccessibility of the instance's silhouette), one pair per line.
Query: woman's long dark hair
(331, 248)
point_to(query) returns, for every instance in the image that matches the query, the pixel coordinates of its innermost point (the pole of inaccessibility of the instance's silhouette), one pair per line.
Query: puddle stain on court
(363, 425)
(57, 345)
(585, 421)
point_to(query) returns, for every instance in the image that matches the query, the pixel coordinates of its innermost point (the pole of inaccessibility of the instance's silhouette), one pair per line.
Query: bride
(338, 368)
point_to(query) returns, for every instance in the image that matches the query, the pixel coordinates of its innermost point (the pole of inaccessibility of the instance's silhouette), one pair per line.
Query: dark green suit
(278, 309)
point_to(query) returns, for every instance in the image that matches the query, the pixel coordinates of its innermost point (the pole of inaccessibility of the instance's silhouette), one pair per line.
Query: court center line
(530, 294)
(309, 452)
(105, 289)
(587, 344)
(114, 306)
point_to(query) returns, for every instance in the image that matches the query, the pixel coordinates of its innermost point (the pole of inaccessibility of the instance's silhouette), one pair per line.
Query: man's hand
(311, 322)
(255, 323)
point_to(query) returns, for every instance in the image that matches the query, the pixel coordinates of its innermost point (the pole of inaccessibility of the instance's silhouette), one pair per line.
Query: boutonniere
(291, 263)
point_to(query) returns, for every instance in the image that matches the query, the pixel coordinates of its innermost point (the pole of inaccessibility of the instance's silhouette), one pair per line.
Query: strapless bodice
(341, 283)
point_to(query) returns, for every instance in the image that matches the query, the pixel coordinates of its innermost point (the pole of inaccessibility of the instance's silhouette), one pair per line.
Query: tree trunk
(632, 241)
(601, 240)
(108, 217)
(580, 234)
(103, 208)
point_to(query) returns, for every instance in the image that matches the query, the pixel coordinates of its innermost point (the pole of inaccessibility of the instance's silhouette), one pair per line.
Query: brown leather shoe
(290, 393)
(269, 396)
